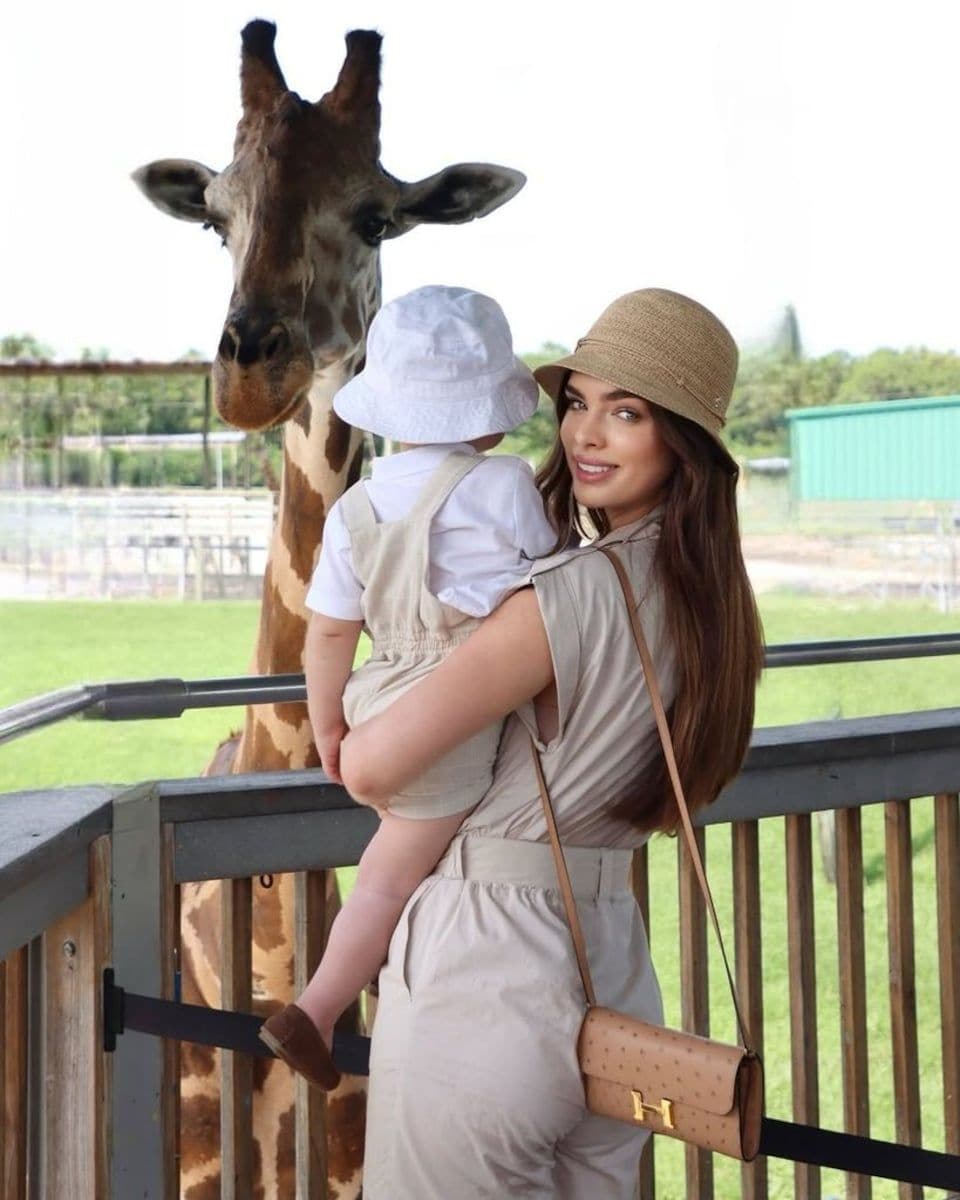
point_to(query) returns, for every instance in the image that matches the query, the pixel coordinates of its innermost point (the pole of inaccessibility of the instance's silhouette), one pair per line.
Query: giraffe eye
(372, 228)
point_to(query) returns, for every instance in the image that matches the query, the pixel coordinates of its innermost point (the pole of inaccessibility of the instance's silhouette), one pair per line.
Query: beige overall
(475, 1090)
(412, 633)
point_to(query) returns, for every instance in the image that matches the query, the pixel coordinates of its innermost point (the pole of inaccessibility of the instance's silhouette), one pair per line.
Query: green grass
(50, 645)
(791, 694)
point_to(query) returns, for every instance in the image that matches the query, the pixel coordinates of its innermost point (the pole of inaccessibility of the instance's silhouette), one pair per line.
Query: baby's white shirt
(482, 538)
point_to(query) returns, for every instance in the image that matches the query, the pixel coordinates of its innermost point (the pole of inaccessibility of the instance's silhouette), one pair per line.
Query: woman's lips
(586, 471)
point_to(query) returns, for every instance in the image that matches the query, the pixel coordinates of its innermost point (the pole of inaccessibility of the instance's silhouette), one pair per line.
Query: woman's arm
(503, 664)
(328, 655)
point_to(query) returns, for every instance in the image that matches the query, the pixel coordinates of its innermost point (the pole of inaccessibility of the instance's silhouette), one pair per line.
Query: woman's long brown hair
(709, 610)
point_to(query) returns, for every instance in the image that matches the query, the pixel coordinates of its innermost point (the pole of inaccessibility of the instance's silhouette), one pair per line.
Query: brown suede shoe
(292, 1036)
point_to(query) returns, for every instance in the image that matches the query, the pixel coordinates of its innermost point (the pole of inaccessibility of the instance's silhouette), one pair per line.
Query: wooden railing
(88, 878)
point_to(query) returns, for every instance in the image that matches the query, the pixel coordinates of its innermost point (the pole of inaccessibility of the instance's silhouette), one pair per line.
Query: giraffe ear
(456, 194)
(176, 187)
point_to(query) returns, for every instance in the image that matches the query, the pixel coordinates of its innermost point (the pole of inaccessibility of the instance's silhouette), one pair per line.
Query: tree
(532, 441)
(899, 374)
(786, 342)
(15, 346)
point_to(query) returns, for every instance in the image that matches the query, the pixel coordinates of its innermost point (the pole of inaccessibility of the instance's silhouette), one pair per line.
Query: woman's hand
(503, 664)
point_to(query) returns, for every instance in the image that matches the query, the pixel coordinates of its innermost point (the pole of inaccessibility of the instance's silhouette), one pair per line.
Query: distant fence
(116, 544)
(200, 544)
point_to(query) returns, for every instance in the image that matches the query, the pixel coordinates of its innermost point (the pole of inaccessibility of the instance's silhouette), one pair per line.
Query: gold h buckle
(664, 1109)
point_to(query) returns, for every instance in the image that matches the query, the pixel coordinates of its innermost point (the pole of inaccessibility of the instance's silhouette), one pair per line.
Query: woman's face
(614, 449)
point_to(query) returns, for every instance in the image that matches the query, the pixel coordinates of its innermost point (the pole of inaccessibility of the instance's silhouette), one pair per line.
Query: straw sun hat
(663, 347)
(440, 367)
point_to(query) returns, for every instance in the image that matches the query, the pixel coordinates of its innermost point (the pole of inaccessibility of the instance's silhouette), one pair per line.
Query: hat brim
(457, 412)
(645, 380)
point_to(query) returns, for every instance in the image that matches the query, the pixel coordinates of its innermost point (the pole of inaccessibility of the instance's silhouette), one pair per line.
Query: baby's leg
(397, 859)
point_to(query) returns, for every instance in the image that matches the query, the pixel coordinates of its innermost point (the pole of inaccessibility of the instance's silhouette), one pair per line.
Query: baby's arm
(330, 649)
(505, 662)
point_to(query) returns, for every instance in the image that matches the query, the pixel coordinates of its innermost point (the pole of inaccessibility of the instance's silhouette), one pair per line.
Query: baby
(419, 553)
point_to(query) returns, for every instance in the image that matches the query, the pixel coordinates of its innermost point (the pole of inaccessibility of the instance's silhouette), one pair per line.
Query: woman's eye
(574, 403)
(628, 414)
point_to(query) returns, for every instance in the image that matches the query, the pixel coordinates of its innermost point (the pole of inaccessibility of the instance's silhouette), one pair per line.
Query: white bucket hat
(440, 368)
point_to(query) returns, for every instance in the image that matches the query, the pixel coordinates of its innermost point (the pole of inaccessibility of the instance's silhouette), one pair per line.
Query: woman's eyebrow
(615, 394)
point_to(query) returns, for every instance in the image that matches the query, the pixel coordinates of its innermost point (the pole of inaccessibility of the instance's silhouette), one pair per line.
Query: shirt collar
(415, 461)
(642, 527)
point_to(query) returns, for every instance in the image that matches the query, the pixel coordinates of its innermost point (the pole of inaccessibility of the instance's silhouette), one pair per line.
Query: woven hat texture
(661, 346)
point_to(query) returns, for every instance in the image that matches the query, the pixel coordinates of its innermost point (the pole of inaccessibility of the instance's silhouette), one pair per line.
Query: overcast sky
(752, 153)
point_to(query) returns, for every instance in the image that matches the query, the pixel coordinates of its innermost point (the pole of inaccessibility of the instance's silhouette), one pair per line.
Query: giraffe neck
(321, 457)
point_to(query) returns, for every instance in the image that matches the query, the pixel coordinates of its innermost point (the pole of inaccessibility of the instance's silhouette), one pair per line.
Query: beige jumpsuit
(475, 1090)
(412, 633)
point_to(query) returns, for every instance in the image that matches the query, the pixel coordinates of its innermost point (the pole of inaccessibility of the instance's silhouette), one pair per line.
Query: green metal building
(889, 450)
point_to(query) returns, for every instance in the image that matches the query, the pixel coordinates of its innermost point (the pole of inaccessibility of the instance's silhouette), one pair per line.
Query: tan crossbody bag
(705, 1092)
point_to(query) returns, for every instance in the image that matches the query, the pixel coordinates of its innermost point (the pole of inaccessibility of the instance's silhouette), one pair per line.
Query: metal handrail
(46, 709)
(850, 650)
(156, 698)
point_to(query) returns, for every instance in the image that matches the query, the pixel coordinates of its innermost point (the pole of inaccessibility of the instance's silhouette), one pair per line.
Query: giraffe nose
(250, 338)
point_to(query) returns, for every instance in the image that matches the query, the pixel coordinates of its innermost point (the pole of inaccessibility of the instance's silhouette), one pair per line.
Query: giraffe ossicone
(303, 208)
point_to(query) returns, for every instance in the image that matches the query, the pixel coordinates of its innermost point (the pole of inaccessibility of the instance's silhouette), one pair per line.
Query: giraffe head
(303, 209)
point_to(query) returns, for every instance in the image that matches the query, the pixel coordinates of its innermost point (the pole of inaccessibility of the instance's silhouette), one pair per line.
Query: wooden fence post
(76, 1087)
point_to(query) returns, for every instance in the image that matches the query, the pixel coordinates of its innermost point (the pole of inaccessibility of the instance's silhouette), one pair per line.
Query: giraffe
(302, 208)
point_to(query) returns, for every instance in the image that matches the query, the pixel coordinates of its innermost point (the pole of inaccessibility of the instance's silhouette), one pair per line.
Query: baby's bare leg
(398, 858)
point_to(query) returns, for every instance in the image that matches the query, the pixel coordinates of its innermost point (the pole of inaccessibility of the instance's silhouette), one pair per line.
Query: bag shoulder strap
(694, 850)
(563, 878)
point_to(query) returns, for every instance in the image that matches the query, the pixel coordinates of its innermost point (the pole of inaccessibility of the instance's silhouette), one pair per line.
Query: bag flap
(660, 1063)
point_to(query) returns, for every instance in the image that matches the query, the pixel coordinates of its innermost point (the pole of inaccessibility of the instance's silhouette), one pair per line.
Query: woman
(475, 1089)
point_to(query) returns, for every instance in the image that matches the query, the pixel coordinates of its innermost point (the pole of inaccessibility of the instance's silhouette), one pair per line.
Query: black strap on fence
(123, 1010)
(859, 1155)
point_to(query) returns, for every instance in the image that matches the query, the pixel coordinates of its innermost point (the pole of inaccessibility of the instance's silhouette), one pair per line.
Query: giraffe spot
(303, 416)
(199, 1136)
(196, 1061)
(293, 713)
(353, 474)
(338, 443)
(286, 1152)
(280, 638)
(264, 751)
(301, 521)
(268, 932)
(261, 1072)
(203, 916)
(206, 1189)
(256, 1172)
(346, 1116)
